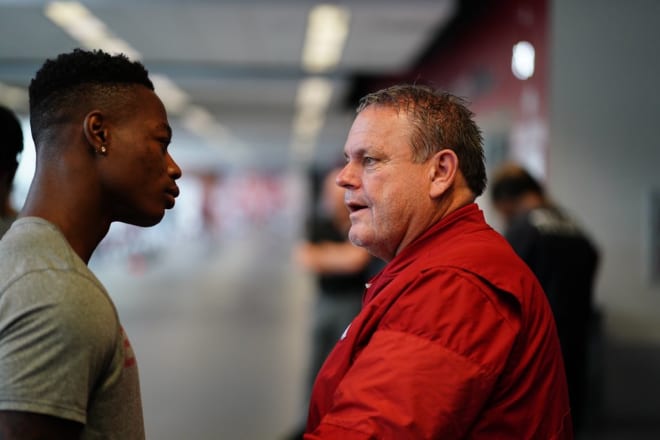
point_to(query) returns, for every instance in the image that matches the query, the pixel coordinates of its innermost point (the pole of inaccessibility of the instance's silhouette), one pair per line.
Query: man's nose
(173, 168)
(347, 177)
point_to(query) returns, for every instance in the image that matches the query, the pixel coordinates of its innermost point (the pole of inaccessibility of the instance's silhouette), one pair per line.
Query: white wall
(605, 144)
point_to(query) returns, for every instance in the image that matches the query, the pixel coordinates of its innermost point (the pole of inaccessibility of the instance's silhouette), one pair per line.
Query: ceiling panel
(27, 34)
(218, 33)
(240, 60)
(390, 36)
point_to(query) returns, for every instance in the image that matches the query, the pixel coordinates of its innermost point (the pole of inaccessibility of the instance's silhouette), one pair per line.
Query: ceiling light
(522, 60)
(92, 33)
(327, 30)
(66, 13)
(79, 22)
(197, 119)
(174, 99)
(314, 93)
(312, 101)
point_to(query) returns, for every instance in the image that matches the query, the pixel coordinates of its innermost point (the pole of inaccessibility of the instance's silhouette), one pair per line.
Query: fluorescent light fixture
(66, 14)
(327, 30)
(174, 99)
(312, 101)
(79, 22)
(199, 121)
(314, 93)
(82, 25)
(522, 60)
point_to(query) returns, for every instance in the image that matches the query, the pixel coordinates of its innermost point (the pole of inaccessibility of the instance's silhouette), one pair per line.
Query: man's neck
(78, 219)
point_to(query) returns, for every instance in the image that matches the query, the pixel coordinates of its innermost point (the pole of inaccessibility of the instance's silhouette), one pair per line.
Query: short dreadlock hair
(77, 80)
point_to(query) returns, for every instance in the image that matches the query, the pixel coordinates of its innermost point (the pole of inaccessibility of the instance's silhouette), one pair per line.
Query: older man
(101, 134)
(455, 338)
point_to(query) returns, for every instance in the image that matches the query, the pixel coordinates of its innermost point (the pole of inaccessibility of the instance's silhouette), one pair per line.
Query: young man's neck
(83, 232)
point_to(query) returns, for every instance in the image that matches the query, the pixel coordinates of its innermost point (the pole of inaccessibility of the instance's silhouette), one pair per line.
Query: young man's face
(139, 174)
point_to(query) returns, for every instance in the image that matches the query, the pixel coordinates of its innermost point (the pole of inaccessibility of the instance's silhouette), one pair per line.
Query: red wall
(475, 62)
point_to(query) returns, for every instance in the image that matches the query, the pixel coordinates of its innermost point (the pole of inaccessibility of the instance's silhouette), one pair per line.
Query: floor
(220, 333)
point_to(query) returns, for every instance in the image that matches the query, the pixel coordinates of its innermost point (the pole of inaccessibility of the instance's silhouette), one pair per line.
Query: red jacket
(455, 340)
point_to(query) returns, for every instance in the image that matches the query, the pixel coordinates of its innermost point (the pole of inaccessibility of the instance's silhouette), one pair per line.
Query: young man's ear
(442, 171)
(95, 131)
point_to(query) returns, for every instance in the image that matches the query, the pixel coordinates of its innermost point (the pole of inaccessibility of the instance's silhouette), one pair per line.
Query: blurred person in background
(562, 257)
(341, 269)
(455, 338)
(101, 135)
(11, 146)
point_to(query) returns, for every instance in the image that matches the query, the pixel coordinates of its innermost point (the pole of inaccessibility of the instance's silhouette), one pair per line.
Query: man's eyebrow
(365, 150)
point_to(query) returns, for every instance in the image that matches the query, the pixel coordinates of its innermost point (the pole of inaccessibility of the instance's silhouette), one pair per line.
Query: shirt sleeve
(428, 370)
(57, 334)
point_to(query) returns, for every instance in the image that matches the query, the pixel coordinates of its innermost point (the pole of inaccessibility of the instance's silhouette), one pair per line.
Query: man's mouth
(173, 191)
(355, 206)
(171, 194)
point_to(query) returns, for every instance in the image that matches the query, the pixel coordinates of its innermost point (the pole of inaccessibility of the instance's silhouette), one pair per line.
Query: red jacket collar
(468, 217)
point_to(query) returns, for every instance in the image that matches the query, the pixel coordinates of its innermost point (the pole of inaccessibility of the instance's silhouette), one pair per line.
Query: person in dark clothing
(10, 150)
(341, 270)
(563, 258)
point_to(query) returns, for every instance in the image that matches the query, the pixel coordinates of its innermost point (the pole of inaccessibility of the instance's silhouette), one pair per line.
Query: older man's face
(386, 193)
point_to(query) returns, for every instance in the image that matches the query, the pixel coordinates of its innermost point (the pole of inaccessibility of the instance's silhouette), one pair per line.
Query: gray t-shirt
(63, 351)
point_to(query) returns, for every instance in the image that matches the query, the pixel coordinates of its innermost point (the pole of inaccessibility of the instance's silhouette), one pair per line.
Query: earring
(103, 149)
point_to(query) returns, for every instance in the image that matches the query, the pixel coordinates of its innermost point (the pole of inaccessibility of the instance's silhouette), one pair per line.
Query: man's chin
(146, 220)
(357, 237)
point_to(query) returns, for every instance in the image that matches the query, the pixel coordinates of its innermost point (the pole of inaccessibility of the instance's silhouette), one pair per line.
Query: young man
(101, 136)
(11, 146)
(455, 338)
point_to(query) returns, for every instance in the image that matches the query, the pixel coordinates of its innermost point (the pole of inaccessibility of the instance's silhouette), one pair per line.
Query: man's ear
(442, 171)
(95, 131)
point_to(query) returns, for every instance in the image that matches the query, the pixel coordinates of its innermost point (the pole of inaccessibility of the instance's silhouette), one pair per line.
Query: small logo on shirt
(343, 335)
(129, 356)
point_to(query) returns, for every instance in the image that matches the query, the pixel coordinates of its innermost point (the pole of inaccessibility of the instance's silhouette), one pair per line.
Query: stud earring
(103, 149)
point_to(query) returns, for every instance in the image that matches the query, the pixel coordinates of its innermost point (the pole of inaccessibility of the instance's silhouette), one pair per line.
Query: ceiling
(240, 61)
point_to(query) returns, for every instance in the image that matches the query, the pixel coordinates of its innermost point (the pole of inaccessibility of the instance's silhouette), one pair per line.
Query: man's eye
(369, 160)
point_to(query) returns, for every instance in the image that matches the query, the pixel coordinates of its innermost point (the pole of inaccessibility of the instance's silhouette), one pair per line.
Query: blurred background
(261, 95)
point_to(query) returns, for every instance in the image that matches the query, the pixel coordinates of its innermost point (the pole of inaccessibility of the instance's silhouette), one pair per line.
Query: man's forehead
(380, 111)
(374, 135)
